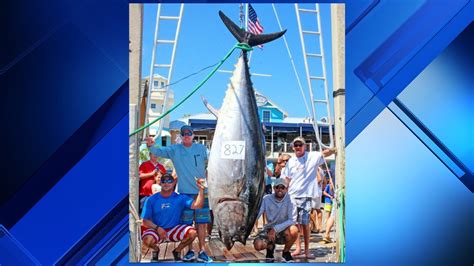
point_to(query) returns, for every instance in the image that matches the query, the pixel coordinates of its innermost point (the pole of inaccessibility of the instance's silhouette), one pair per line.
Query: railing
(283, 147)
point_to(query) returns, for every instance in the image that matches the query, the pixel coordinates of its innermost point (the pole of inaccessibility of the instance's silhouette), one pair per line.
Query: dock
(323, 252)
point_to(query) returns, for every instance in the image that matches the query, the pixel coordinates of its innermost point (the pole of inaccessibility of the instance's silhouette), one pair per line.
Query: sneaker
(270, 253)
(154, 256)
(176, 255)
(189, 256)
(286, 255)
(203, 257)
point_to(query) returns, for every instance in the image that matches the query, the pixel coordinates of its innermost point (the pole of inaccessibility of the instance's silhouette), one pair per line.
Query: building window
(155, 84)
(162, 84)
(200, 138)
(266, 116)
(153, 105)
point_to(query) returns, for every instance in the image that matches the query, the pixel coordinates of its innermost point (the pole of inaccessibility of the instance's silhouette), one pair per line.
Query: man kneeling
(162, 213)
(281, 219)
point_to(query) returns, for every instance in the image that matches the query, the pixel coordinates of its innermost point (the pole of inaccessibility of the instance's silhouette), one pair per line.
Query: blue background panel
(413, 211)
(446, 88)
(82, 197)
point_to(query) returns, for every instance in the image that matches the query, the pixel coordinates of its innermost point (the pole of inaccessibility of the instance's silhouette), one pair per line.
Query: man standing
(301, 173)
(281, 217)
(189, 160)
(162, 213)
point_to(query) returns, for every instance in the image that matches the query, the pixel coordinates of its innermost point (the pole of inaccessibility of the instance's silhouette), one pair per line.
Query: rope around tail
(242, 46)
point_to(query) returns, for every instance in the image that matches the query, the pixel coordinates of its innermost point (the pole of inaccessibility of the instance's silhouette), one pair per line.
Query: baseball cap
(280, 181)
(186, 128)
(300, 139)
(167, 177)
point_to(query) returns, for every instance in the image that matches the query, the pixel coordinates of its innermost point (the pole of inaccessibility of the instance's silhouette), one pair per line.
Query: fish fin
(246, 37)
(264, 38)
(211, 108)
(238, 33)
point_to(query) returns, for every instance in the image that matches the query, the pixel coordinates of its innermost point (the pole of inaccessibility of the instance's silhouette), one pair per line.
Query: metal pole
(133, 182)
(338, 55)
(246, 16)
(272, 143)
(246, 29)
(136, 30)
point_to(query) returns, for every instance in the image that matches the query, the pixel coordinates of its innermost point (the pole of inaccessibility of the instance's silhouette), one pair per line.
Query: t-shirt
(146, 183)
(189, 162)
(280, 214)
(302, 173)
(328, 190)
(318, 189)
(166, 212)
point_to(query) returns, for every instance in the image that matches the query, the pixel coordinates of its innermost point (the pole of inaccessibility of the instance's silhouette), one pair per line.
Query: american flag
(253, 24)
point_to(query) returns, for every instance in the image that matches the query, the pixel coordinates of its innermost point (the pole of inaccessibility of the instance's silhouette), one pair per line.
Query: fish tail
(246, 37)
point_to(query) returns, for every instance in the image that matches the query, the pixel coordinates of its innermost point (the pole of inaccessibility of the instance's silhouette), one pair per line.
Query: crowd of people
(175, 207)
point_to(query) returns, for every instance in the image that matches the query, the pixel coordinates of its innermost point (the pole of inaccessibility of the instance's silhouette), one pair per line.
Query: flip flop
(327, 240)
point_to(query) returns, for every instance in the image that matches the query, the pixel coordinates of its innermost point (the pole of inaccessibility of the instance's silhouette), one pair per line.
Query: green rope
(242, 46)
(342, 237)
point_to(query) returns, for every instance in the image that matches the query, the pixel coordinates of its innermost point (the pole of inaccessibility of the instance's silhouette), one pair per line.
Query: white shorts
(316, 202)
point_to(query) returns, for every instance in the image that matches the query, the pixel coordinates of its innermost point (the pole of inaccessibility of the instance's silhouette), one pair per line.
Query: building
(157, 101)
(279, 128)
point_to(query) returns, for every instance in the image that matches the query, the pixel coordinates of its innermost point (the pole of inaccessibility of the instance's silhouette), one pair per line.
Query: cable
(292, 63)
(186, 77)
(242, 46)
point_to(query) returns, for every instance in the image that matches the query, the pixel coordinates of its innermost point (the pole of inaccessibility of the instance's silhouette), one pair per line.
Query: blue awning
(278, 127)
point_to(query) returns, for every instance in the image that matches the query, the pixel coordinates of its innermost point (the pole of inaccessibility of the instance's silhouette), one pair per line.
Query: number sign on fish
(234, 149)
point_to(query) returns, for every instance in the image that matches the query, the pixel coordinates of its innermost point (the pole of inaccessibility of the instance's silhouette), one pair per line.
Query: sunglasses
(298, 145)
(188, 134)
(167, 181)
(280, 187)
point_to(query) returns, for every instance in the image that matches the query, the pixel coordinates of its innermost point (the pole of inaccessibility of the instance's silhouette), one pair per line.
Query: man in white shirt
(301, 173)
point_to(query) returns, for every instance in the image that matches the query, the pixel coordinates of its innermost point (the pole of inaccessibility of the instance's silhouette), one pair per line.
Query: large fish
(237, 158)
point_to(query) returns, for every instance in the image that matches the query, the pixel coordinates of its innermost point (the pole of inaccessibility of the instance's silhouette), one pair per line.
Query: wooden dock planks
(244, 253)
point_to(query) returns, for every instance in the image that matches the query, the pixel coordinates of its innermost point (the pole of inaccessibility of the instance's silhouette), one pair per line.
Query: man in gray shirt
(281, 219)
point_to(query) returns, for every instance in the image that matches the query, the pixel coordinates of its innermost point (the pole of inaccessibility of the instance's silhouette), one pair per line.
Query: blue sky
(204, 40)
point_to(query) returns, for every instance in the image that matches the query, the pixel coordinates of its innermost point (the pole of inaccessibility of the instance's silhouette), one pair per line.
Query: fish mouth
(229, 213)
(230, 240)
(227, 199)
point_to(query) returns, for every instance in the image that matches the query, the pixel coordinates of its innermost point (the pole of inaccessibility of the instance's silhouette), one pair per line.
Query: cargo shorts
(303, 208)
(200, 216)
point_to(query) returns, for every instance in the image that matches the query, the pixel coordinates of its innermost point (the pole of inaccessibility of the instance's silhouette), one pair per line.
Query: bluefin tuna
(237, 158)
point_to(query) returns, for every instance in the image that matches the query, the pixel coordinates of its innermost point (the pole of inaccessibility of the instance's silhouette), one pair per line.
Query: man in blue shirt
(162, 214)
(189, 160)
